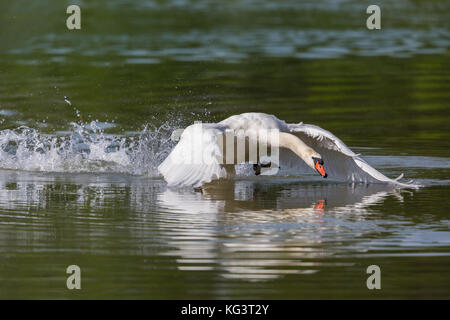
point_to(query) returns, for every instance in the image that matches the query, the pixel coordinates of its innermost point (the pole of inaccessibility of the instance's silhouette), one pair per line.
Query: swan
(201, 155)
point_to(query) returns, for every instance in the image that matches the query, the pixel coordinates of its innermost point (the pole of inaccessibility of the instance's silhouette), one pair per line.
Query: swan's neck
(292, 142)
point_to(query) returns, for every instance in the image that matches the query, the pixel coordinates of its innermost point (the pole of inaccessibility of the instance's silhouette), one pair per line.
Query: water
(86, 116)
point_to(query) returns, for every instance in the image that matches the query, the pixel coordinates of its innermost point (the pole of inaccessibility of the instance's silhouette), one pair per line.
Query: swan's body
(198, 158)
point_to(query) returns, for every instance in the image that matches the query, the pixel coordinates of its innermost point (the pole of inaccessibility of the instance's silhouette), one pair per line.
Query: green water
(141, 69)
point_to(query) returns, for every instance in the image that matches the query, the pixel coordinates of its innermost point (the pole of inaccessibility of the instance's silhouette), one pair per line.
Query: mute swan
(198, 158)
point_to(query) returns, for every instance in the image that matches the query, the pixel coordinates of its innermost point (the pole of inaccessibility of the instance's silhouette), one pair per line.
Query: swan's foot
(257, 167)
(198, 189)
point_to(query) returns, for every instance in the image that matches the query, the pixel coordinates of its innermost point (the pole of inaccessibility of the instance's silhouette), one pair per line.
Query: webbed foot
(257, 167)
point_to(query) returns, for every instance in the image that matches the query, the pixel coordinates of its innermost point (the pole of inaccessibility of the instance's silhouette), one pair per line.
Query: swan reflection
(250, 229)
(266, 229)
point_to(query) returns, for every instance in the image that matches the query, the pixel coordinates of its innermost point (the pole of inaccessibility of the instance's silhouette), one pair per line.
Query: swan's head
(318, 166)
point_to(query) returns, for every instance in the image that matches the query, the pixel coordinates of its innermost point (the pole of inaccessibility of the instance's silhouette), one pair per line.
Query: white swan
(199, 157)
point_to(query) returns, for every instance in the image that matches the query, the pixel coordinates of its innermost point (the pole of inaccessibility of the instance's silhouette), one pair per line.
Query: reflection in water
(269, 238)
(247, 230)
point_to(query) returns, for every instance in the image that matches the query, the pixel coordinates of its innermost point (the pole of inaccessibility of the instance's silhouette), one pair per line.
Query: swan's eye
(318, 160)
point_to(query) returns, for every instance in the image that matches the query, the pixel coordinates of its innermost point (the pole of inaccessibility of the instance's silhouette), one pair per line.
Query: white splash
(66, 100)
(85, 148)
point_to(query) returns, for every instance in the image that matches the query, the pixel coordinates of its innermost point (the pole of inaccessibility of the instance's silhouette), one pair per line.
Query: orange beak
(320, 169)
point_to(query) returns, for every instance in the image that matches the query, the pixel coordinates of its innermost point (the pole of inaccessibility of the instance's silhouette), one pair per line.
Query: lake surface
(86, 117)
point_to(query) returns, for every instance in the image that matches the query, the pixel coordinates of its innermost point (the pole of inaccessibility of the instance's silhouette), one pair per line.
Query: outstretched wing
(196, 158)
(341, 163)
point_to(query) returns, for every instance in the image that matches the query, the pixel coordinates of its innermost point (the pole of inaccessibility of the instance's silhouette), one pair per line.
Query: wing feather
(195, 160)
(341, 163)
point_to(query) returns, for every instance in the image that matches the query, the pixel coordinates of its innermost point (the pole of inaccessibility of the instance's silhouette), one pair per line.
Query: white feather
(196, 159)
(341, 163)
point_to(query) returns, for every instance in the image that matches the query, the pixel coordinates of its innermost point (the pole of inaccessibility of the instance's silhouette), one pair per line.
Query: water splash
(87, 148)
